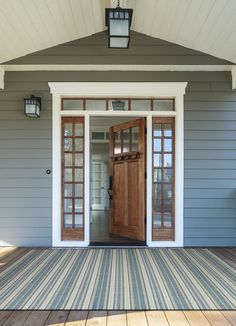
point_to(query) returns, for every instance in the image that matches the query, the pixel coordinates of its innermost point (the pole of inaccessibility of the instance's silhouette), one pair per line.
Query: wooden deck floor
(115, 318)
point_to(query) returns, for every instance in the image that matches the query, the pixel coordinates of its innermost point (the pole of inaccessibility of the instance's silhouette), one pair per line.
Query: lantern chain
(118, 3)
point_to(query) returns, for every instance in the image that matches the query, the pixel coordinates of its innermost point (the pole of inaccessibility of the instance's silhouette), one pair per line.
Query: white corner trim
(233, 73)
(107, 89)
(2, 73)
(57, 67)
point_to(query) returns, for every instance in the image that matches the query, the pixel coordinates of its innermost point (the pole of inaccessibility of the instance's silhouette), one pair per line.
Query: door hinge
(145, 175)
(145, 220)
(145, 131)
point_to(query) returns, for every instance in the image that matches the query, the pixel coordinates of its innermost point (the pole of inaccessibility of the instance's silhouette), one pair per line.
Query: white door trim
(110, 89)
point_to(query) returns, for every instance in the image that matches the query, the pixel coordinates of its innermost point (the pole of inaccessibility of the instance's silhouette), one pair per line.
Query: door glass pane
(78, 205)
(168, 175)
(79, 159)
(167, 130)
(68, 144)
(135, 139)
(126, 140)
(117, 142)
(78, 144)
(157, 130)
(78, 220)
(68, 221)
(157, 160)
(167, 145)
(157, 145)
(157, 175)
(79, 129)
(68, 190)
(79, 175)
(68, 205)
(79, 190)
(68, 159)
(68, 129)
(168, 191)
(167, 220)
(68, 174)
(168, 160)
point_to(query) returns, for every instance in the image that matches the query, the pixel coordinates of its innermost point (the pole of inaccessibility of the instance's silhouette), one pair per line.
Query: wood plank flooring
(116, 318)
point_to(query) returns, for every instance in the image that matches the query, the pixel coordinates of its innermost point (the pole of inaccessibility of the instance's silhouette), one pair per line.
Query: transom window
(118, 104)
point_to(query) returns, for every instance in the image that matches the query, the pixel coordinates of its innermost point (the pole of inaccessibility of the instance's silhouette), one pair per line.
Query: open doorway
(117, 181)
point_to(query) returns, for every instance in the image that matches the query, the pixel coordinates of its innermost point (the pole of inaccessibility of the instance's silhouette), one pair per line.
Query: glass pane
(68, 129)
(117, 141)
(168, 175)
(167, 160)
(72, 104)
(68, 159)
(118, 105)
(78, 205)
(141, 105)
(157, 220)
(68, 205)
(96, 135)
(79, 190)
(68, 221)
(167, 145)
(68, 174)
(168, 191)
(78, 220)
(167, 130)
(157, 193)
(157, 175)
(79, 159)
(167, 220)
(96, 105)
(79, 129)
(78, 144)
(68, 190)
(78, 175)
(67, 144)
(163, 105)
(126, 140)
(157, 130)
(135, 139)
(157, 145)
(157, 160)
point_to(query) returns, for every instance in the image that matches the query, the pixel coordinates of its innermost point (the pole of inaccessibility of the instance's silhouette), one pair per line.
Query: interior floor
(99, 234)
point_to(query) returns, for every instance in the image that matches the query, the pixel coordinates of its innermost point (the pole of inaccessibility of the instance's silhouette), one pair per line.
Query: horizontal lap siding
(25, 155)
(210, 164)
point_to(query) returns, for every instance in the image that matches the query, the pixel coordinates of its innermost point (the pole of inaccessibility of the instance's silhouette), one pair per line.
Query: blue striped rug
(118, 279)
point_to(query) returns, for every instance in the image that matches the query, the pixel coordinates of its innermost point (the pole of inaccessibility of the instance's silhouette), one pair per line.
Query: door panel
(127, 172)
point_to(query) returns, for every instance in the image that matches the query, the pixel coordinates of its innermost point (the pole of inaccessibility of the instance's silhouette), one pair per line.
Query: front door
(127, 179)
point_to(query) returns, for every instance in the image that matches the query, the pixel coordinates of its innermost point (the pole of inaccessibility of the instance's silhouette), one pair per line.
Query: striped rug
(118, 279)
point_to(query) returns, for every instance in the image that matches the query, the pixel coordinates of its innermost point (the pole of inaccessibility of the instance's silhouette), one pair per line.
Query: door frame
(61, 90)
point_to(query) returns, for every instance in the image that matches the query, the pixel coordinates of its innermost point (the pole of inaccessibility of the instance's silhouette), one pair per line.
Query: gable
(93, 50)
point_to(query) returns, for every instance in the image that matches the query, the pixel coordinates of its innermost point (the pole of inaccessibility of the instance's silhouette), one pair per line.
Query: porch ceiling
(27, 26)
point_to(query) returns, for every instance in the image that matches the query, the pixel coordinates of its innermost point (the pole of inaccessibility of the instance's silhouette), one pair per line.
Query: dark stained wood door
(127, 180)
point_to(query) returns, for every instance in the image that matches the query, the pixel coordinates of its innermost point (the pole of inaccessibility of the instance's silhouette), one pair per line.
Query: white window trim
(110, 89)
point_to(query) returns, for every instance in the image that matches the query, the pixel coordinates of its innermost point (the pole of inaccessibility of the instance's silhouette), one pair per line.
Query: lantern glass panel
(119, 27)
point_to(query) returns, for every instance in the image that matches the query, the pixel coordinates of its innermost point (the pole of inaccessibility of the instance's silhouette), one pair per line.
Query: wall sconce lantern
(118, 21)
(32, 106)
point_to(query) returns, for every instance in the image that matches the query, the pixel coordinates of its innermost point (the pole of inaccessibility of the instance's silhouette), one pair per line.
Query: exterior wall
(210, 156)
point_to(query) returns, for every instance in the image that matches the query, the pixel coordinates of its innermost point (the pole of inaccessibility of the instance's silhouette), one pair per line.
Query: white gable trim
(233, 71)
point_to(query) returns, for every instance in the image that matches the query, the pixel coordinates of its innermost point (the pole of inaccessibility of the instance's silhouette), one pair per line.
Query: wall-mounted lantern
(118, 21)
(32, 106)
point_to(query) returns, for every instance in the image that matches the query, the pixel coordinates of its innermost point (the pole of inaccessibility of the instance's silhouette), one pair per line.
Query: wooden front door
(127, 179)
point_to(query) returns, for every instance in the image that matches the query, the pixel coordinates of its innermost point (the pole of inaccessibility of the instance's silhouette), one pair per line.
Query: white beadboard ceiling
(27, 26)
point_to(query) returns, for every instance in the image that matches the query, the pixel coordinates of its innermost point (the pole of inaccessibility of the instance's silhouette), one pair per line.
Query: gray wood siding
(210, 151)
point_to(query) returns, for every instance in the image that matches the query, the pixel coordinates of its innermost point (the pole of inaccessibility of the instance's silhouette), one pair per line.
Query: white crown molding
(2, 73)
